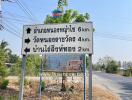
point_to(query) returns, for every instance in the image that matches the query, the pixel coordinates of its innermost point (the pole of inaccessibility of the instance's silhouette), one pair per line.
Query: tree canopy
(69, 16)
(107, 64)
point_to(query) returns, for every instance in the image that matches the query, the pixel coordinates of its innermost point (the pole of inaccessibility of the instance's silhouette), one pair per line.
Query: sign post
(90, 76)
(40, 84)
(85, 77)
(22, 77)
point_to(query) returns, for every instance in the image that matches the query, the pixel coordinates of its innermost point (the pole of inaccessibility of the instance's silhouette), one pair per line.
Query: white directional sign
(58, 38)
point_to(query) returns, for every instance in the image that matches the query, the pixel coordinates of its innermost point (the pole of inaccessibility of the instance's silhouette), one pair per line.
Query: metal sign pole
(22, 77)
(40, 79)
(90, 76)
(85, 78)
(40, 85)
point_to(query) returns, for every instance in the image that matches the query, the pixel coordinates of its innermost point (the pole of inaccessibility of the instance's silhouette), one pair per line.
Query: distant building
(60, 62)
(73, 65)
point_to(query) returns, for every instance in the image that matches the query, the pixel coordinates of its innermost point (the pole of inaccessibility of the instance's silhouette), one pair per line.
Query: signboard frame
(90, 69)
(90, 46)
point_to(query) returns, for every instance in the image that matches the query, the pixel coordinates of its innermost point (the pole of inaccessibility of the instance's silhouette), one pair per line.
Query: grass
(1, 98)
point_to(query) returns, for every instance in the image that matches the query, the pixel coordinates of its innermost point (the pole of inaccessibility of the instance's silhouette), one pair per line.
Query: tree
(68, 17)
(16, 68)
(3, 58)
(104, 61)
(6, 56)
(13, 58)
(61, 4)
(129, 70)
(103, 67)
(108, 64)
(33, 65)
(112, 67)
(4, 45)
(3, 72)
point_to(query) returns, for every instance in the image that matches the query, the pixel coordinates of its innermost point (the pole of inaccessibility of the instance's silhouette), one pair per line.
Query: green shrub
(13, 98)
(26, 82)
(43, 86)
(112, 67)
(3, 72)
(4, 84)
(1, 98)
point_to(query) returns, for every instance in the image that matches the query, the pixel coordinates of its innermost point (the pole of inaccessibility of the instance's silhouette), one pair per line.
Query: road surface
(117, 84)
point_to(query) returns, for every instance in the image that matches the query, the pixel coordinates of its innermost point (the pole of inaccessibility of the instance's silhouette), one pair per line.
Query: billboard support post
(22, 77)
(84, 77)
(40, 84)
(90, 76)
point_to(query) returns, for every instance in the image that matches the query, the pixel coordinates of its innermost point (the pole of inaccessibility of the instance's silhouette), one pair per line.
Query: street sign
(58, 38)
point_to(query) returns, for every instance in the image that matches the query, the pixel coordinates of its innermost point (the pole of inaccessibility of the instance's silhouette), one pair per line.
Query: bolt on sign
(58, 38)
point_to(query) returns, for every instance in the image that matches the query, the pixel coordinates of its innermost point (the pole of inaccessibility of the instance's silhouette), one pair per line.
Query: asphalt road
(117, 84)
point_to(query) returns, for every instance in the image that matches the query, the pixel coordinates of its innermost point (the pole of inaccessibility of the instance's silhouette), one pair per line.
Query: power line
(11, 30)
(24, 9)
(13, 25)
(14, 15)
(26, 6)
(13, 33)
(10, 27)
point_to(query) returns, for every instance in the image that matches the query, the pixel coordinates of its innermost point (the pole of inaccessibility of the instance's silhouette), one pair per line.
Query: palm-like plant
(4, 50)
(3, 58)
(61, 4)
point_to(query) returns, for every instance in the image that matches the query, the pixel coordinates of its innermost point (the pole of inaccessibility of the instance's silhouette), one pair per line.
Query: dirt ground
(52, 91)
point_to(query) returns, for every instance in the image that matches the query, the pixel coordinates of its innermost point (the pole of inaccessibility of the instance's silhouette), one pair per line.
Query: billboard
(64, 63)
(58, 38)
